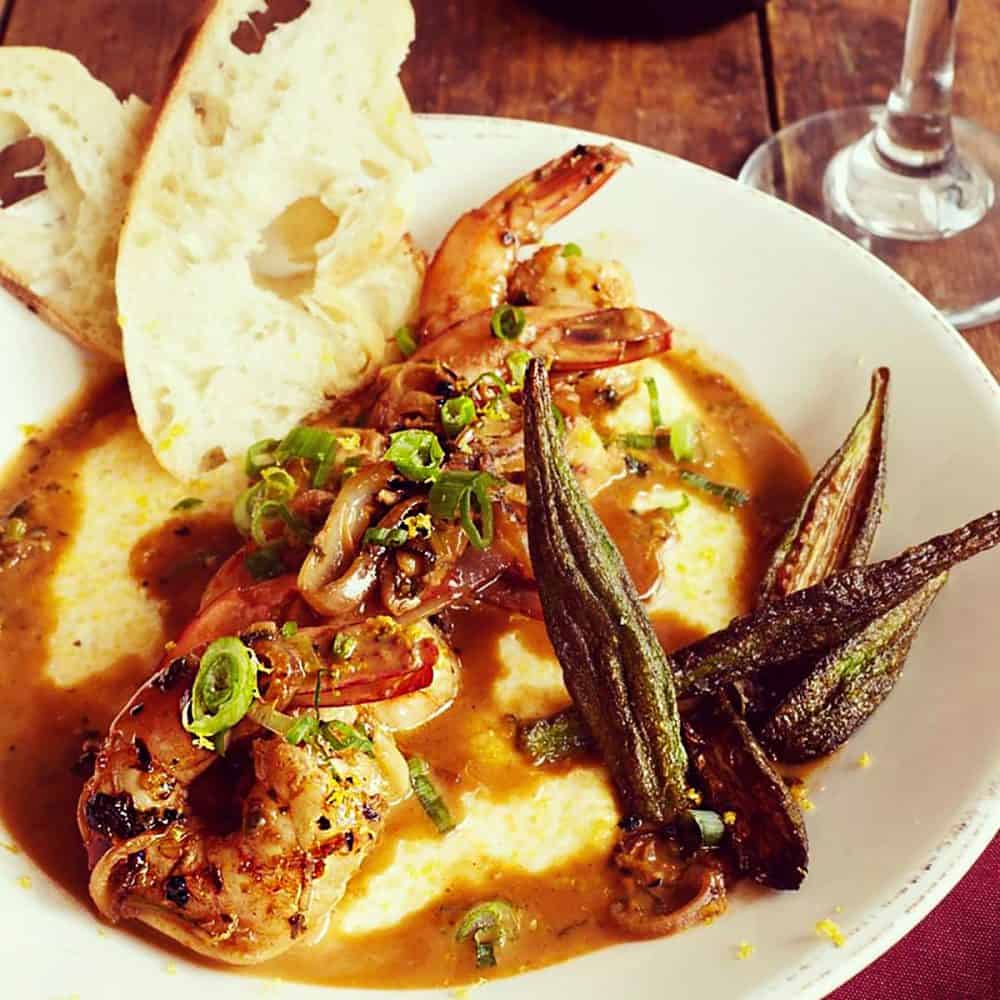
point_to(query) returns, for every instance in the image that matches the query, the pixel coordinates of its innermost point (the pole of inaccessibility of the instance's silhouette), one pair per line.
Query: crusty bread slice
(58, 247)
(263, 264)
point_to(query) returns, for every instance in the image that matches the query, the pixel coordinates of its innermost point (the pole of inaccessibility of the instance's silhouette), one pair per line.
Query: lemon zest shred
(744, 950)
(830, 929)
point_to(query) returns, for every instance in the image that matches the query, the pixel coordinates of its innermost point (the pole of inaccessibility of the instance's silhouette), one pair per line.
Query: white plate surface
(805, 315)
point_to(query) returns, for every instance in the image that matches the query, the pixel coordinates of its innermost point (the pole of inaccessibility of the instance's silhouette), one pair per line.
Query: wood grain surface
(708, 95)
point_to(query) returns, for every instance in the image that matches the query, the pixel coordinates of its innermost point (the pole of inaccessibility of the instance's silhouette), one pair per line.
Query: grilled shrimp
(554, 276)
(469, 272)
(238, 856)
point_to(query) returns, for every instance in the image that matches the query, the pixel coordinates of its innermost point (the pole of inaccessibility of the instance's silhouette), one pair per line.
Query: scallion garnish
(224, 688)
(572, 250)
(701, 828)
(684, 438)
(304, 729)
(265, 563)
(389, 538)
(188, 503)
(508, 322)
(732, 496)
(289, 629)
(417, 455)
(457, 414)
(312, 444)
(405, 341)
(428, 795)
(343, 646)
(490, 925)
(260, 456)
(517, 364)
(654, 402)
(639, 442)
(452, 496)
(342, 736)
(272, 510)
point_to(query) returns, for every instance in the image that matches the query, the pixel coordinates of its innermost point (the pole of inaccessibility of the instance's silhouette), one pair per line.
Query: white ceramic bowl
(805, 315)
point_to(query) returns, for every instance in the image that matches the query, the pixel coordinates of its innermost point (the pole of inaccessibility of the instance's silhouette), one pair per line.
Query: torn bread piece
(264, 265)
(58, 243)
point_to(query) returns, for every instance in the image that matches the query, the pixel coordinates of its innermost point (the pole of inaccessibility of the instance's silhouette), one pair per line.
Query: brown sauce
(44, 725)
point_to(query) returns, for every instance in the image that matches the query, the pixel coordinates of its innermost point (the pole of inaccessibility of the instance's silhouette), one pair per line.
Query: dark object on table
(646, 17)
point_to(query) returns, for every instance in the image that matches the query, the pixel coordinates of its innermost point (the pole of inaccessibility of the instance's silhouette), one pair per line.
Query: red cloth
(954, 954)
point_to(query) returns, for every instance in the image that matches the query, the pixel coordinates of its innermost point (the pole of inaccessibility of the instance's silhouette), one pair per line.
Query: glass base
(939, 229)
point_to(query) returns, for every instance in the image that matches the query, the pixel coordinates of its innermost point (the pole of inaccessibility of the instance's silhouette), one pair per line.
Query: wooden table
(710, 97)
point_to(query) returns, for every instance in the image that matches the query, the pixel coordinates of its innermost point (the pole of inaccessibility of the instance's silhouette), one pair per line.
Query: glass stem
(915, 132)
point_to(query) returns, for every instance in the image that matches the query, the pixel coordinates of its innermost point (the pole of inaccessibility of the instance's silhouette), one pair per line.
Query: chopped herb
(417, 455)
(517, 364)
(224, 687)
(428, 795)
(453, 495)
(405, 341)
(508, 322)
(654, 403)
(732, 496)
(388, 538)
(684, 438)
(188, 503)
(289, 629)
(572, 250)
(456, 414)
(640, 442)
(490, 925)
(265, 563)
(304, 729)
(260, 456)
(343, 646)
(342, 736)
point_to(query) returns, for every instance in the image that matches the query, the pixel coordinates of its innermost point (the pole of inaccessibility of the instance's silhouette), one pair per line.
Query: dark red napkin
(954, 954)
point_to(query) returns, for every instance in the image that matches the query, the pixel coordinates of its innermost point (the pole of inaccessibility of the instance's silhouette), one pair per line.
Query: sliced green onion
(310, 443)
(260, 456)
(278, 484)
(640, 442)
(417, 455)
(518, 363)
(654, 402)
(732, 496)
(289, 629)
(405, 341)
(428, 795)
(323, 468)
(508, 322)
(490, 925)
(304, 729)
(492, 379)
(342, 736)
(674, 503)
(188, 503)
(343, 646)
(265, 563)
(15, 529)
(684, 438)
(452, 496)
(224, 687)
(572, 250)
(270, 510)
(701, 828)
(389, 538)
(457, 414)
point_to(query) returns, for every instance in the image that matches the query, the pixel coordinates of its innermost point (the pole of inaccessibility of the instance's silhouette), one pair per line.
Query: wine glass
(908, 181)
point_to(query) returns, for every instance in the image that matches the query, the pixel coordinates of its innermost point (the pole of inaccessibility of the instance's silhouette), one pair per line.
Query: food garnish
(614, 667)
(732, 496)
(490, 926)
(553, 739)
(428, 795)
